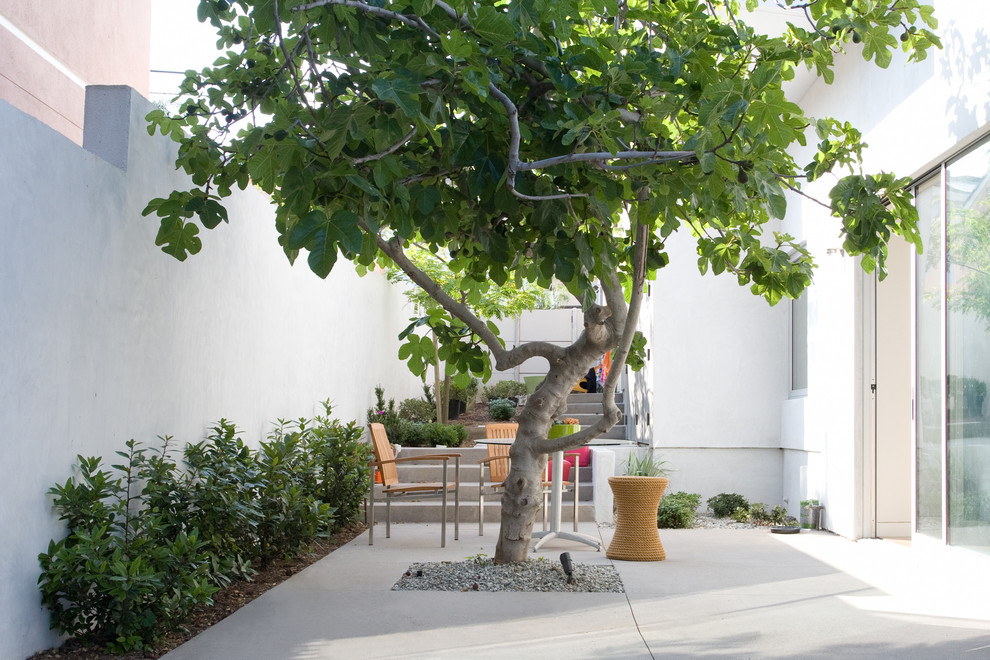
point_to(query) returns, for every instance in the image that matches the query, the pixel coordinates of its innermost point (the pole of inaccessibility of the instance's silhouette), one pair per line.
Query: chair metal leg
(457, 498)
(481, 509)
(443, 509)
(546, 505)
(577, 488)
(371, 516)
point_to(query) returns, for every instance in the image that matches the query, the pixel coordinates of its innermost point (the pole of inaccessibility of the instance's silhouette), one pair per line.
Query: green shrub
(724, 504)
(342, 478)
(148, 543)
(504, 389)
(740, 514)
(118, 579)
(677, 510)
(384, 412)
(429, 435)
(222, 474)
(291, 515)
(501, 410)
(418, 410)
(759, 514)
(448, 435)
(466, 394)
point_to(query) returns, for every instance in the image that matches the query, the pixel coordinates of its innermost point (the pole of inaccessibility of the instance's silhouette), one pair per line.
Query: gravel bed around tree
(486, 575)
(482, 574)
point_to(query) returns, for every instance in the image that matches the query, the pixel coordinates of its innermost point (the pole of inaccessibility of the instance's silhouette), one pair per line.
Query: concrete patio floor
(720, 593)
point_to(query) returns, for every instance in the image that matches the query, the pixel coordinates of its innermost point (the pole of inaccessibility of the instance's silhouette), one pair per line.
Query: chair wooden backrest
(383, 452)
(499, 470)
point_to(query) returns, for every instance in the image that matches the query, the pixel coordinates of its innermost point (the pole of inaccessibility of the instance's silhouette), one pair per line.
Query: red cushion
(583, 456)
(567, 470)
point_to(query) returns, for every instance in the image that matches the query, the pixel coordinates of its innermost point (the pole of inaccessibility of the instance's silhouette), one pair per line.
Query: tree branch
(604, 156)
(503, 359)
(795, 189)
(415, 22)
(391, 150)
(452, 13)
(627, 330)
(515, 165)
(615, 298)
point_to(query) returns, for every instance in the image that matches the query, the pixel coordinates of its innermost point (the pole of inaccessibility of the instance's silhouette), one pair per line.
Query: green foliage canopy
(525, 139)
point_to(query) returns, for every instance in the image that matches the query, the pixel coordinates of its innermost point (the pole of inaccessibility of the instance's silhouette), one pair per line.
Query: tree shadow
(966, 62)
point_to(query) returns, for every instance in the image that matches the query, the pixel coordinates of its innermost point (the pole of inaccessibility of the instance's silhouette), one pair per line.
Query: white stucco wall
(104, 338)
(721, 368)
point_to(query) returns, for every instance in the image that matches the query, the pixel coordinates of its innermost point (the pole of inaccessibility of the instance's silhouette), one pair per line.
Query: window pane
(968, 347)
(930, 419)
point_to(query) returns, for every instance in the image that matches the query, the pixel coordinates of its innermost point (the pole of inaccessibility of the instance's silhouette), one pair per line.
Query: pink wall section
(101, 42)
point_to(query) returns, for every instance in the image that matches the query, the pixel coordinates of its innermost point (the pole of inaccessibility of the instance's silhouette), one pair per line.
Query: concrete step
(407, 511)
(574, 409)
(596, 397)
(617, 432)
(587, 419)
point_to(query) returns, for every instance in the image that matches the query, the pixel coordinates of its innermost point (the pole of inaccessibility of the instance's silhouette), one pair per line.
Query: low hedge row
(148, 542)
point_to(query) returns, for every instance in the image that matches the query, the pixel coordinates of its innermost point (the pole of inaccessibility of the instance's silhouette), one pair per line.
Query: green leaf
(719, 98)
(456, 45)
(401, 92)
(322, 254)
(708, 162)
(212, 214)
(347, 231)
(494, 27)
(773, 114)
(306, 229)
(178, 238)
(878, 44)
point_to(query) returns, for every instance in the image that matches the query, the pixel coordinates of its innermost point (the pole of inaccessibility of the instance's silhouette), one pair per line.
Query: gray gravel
(484, 575)
(711, 522)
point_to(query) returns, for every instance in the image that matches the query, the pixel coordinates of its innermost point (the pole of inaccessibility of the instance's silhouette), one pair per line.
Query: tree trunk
(445, 398)
(605, 328)
(438, 398)
(523, 496)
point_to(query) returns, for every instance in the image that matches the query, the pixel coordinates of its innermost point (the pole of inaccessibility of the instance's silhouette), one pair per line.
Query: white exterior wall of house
(912, 116)
(720, 370)
(104, 338)
(721, 358)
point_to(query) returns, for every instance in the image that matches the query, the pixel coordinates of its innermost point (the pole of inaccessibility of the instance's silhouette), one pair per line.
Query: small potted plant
(563, 427)
(637, 498)
(460, 398)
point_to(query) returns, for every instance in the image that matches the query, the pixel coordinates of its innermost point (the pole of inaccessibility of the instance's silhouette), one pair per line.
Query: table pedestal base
(567, 536)
(555, 532)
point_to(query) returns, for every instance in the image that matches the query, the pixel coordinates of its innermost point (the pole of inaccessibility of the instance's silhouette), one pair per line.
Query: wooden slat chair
(498, 469)
(385, 464)
(497, 464)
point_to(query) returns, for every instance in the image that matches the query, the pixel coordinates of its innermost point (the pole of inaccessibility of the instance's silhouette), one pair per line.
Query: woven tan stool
(636, 537)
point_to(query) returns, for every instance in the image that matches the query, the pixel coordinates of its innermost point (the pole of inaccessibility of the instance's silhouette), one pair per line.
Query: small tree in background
(486, 299)
(529, 141)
